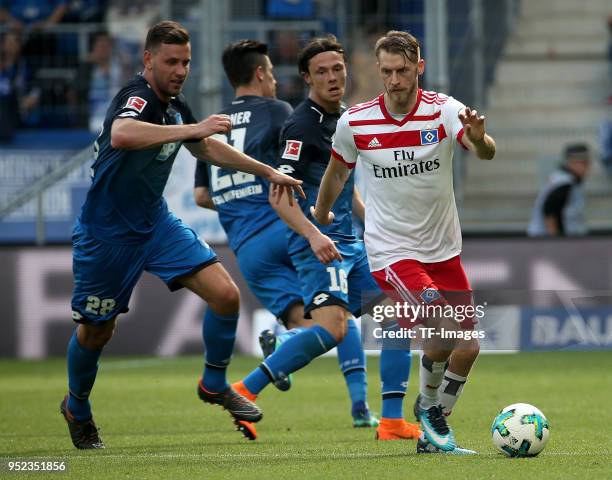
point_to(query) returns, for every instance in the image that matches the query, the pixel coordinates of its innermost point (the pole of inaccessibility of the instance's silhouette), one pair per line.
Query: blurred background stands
(540, 71)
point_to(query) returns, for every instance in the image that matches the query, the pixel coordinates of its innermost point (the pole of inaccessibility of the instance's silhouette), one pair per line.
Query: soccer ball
(520, 430)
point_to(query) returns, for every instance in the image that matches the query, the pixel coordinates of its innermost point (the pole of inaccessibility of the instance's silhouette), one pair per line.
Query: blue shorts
(266, 266)
(348, 283)
(105, 274)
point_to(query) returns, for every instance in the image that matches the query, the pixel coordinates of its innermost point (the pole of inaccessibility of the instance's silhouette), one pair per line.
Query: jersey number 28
(219, 180)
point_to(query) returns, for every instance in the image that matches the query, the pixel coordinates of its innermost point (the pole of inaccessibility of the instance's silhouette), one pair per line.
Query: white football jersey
(408, 172)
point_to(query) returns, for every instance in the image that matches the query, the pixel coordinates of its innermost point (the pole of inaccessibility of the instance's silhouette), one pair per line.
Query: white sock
(431, 374)
(451, 388)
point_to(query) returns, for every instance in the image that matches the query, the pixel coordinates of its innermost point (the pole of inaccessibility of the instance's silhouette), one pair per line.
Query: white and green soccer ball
(520, 430)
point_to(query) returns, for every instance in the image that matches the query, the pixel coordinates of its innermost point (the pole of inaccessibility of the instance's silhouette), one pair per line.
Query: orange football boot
(397, 429)
(246, 428)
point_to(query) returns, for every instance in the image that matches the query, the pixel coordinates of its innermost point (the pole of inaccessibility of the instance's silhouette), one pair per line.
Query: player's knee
(226, 300)
(95, 337)
(334, 321)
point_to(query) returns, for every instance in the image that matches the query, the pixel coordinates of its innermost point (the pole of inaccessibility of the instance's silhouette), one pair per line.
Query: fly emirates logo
(406, 165)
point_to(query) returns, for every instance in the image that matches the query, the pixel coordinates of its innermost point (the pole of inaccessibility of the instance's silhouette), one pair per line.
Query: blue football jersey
(125, 202)
(306, 141)
(242, 198)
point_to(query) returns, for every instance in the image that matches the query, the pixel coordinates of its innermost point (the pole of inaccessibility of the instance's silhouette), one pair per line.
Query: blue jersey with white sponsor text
(125, 202)
(242, 198)
(306, 141)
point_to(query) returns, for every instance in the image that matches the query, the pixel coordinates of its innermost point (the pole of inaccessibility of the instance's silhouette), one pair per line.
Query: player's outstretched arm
(333, 181)
(475, 137)
(223, 155)
(130, 134)
(322, 246)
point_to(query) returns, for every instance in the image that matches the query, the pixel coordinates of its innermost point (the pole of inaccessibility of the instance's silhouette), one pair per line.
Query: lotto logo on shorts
(136, 103)
(320, 298)
(429, 137)
(292, 150)
(430, 295)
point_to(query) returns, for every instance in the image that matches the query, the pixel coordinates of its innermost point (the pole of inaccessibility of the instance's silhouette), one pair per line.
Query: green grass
(155, 427)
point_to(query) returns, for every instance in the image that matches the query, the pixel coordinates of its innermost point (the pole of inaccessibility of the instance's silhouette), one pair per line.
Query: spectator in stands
(78, 12)
(98, 80)
(32, 14)
(559, 208)
(34, 17)
(18, 99)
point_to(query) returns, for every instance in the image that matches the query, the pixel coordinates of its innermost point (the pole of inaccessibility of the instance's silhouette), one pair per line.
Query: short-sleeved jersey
(562, 197)
(306, 141)
(242, 198)
(407, 168)
(125, 202)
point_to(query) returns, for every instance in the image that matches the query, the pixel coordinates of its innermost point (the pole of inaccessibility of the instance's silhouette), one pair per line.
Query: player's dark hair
(399, 43)
(172, 33)
(241, 59)
(318, 45)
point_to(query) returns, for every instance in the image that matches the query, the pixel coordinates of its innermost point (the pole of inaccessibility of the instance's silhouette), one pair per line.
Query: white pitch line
(313, 455)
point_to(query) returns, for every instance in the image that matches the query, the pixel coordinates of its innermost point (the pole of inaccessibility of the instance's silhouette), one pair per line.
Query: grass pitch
(155, 427)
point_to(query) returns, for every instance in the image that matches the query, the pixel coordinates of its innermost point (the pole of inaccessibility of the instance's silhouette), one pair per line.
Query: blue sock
(283, 337)
(82, 370)
(351, 358)
(296, 352)
(219, 332)
(394, 373)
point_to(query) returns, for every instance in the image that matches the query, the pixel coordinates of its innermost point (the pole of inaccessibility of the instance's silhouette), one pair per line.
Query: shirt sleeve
(201, 174)
(343, 144)
(294, 151)
(451, 110)
(137, 103)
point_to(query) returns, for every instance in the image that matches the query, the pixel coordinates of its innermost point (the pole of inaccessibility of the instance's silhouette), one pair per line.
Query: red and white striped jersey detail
(401, 139)
(383, 121)
(407, 167)
(460, 139)
(338, 157)
(434, 98)
(364, 106)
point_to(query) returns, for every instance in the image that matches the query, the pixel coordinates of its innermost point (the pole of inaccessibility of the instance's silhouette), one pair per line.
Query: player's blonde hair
(401, 43)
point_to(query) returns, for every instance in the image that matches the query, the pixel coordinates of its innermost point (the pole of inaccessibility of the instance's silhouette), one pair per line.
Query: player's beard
(403, 98)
